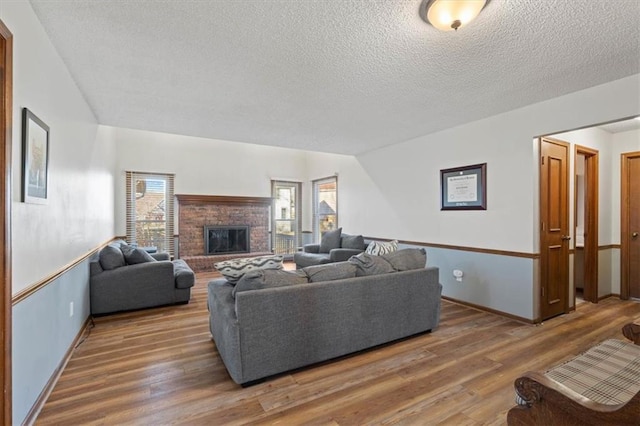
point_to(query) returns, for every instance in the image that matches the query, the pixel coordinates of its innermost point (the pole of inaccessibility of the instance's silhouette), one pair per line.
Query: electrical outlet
(70, 309)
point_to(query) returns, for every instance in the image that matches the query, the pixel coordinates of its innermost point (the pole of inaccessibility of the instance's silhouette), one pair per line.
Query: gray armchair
(334, 247)
(123, 279)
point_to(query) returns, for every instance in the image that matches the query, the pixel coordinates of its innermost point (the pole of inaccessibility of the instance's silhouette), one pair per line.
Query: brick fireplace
(196, 212)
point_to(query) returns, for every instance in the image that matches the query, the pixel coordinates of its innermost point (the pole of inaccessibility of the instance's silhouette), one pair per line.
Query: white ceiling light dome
(447, 15)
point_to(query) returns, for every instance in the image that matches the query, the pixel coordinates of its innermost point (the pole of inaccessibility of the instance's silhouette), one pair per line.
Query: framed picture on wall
(464, 188)
(35, 158)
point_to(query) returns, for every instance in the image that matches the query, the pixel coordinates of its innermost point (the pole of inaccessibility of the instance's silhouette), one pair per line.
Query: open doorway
(599, 241)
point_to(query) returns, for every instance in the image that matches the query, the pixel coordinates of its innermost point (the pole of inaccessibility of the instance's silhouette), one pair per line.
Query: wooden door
(590, 207)
(630, 235)
(554, 227)
(6, 118)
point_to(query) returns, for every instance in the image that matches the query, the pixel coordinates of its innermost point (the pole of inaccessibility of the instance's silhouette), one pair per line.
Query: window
(325, 206)
(285, 217)
(150, 210)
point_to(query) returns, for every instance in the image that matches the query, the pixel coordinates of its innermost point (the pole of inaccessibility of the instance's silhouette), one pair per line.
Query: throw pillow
(330, 271)
(111, 258)
(133, 255)
(330, 240)
(368, 264)
(269, 278)
(378, 248)
(355, 242)
(407, 259)
(234, 269)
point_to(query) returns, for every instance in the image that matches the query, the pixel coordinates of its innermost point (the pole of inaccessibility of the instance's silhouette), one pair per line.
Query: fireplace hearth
(226, 239)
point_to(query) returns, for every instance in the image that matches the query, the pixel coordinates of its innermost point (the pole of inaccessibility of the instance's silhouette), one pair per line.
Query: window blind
(150, 210)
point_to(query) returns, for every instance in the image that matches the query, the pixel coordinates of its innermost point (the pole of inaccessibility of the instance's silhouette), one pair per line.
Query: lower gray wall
(43, 332)
(498, 282)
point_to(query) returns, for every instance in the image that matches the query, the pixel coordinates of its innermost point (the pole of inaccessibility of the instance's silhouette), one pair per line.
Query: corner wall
(395, 193)
(202, 166)
(77, 217)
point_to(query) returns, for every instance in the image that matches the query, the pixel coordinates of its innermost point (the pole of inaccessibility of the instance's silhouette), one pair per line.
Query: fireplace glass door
(285, 227)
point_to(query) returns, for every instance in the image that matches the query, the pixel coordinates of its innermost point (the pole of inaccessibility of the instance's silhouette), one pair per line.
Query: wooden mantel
(221, 199)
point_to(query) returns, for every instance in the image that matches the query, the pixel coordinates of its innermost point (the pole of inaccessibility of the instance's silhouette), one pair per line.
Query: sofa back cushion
(367, 264)
(269, 278)
(134, 255)
(111, 257)
(234, 269)
(330, 271)
(407, 259)
(355, 242)
(330, 240)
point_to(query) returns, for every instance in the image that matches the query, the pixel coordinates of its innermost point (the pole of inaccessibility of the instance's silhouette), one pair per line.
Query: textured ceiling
(343, 76)
(622, 126)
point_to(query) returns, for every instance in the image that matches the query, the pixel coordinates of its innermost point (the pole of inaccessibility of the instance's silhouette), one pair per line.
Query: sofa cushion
(111, 258)
(269, 278)
(368, 264)
(133, 255)
(184, 276)
(378, 248)
(355, 242)
(234, 269)
(330, 271)
(330, 240)
(407, 259)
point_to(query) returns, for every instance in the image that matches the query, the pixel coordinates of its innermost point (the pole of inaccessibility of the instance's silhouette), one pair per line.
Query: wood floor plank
(160, 366)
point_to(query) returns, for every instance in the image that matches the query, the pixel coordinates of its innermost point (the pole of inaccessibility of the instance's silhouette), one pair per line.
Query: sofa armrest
(312, 248)
(545, 401)
(342, 254)
(161, 256)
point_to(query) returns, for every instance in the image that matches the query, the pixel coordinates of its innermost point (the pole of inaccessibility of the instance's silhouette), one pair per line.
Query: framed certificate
(464, 188)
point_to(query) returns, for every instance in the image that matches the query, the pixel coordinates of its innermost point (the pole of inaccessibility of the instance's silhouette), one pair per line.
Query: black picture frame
(464, 188)
(35, 158)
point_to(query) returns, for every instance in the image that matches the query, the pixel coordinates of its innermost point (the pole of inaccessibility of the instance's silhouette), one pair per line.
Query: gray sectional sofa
(123, 278)
(265, 329)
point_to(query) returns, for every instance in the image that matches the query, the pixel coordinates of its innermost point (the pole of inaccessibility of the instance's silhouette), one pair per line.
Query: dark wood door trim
(6, 118)
(554, 236)
(590, 220)
(625, 218)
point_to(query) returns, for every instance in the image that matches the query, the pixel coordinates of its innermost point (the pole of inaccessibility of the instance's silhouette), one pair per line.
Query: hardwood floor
(160, 366)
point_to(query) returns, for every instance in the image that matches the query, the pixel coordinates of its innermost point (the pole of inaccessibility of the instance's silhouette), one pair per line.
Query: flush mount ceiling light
(447, 15)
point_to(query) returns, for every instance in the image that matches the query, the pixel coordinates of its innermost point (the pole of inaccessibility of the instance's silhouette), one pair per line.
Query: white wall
(79, 213)
(407, 174)
(355, 189)
(77, 218)
(204, 166)
(401, 195)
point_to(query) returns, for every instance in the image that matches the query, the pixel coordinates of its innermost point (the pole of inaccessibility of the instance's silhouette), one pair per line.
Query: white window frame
(131, 177)
(316, 204)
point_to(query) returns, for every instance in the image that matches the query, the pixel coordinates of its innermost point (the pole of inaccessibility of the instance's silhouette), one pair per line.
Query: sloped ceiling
(342, 76)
